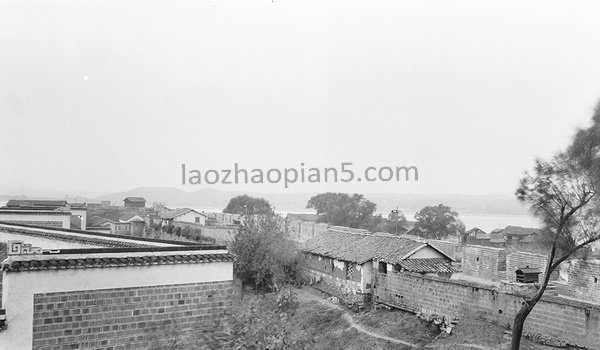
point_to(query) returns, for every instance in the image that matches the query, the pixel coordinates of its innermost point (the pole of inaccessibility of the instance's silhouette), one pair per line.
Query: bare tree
(562, 193)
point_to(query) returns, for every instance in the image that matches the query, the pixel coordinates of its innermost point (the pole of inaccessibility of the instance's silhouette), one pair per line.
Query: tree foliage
(394, 220)
(439, 222)
(342, 209)
(562, 192)
(264, 254)
(246, 205)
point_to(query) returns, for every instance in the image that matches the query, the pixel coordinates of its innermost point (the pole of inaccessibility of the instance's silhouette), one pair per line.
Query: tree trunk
(519, 322)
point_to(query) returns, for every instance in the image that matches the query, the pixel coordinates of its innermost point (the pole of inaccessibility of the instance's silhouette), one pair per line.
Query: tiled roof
(330, 243)
(86, 237)
(361, 248)
(426, 265)
(91, 240)
(520, 231)
(379, 246)
(35, 203)
(33, 211)
(57, 264)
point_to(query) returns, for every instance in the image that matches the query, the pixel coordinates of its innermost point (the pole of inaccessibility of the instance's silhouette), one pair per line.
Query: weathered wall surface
(141, 318)
(517, 260)
(572, 322)
(484, 262)
(584, 279)
(334, 273)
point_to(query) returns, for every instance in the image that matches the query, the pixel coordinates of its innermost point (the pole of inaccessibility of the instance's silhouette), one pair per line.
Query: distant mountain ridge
(296, 202)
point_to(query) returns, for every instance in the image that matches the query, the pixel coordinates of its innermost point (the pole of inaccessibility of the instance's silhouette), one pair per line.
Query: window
(396, 268)
(350, 267)
(382, 267)
(197, 219)
(595, 279)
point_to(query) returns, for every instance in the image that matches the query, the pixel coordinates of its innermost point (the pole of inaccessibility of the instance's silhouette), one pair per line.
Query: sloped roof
(35, 203)
(381, 246)
(426, 265)
(57, 264)
(331, 243)
(172, 214)
(96, 220)
(360, 248)
(520, 231)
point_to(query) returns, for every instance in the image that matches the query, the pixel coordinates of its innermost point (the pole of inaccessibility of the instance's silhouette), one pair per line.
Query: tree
(158, 207)
(264, 254)
(439, 222)
(341, 209)
(246, 205)
(394, 220)
(562, 192)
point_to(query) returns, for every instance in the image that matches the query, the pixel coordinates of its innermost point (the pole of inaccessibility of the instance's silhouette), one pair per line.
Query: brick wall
(453, 249)
(132, 318)
(484, 262)
(584, 279)
(518, 260)
(553, 318)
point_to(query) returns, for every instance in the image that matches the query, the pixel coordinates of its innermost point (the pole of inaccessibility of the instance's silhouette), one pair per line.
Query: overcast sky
(105, 96)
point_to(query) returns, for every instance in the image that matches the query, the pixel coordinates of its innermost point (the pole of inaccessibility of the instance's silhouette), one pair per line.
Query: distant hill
(296, 202)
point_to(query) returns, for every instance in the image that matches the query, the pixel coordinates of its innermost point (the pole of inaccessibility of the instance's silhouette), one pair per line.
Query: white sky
(111, 95)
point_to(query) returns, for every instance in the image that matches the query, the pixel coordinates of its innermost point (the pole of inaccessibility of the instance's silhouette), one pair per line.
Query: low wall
(554, 319)
(79, 308)
(144, 317)
(584, 279)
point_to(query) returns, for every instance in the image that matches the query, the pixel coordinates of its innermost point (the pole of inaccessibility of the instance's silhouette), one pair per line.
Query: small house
(134, 202)
(184, 215)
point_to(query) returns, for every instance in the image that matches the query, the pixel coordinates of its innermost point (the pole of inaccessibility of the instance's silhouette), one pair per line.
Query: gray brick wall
(575, 323)
(131, 318)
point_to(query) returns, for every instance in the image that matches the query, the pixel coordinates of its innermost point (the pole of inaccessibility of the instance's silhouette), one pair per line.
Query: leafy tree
(394, 220)
(158, 207)
(439, 222)
(342, 209)
(264, 254)
(246, 205)
(562, 192)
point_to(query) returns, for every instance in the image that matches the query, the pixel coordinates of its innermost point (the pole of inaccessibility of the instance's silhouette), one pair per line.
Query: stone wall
(553, 319)
(584, 279)
(484, 262)
(132, 318)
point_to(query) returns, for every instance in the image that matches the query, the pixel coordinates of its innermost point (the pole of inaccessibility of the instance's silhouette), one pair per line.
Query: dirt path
(306, 294)
(309, 294)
